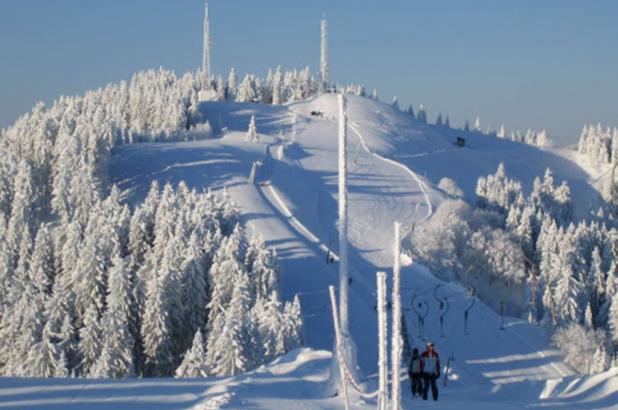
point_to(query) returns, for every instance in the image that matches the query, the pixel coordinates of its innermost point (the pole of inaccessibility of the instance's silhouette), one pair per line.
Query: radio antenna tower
(324, 53)
(206, 51)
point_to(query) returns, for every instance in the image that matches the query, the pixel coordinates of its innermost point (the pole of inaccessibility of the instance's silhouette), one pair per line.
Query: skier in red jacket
(430, 365)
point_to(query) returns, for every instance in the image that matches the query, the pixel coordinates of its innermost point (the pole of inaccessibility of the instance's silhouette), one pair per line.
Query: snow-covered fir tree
(194, 361)
(421, 115)
(252, 134)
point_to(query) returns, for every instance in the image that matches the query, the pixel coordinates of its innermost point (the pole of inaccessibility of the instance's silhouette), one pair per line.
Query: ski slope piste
(395, 163)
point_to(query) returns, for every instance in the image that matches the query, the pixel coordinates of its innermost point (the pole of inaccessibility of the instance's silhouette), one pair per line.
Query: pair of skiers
(424, 370)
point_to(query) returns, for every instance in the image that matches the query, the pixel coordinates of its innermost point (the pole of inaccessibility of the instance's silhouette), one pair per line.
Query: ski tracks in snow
(271, 194)
(355, 127)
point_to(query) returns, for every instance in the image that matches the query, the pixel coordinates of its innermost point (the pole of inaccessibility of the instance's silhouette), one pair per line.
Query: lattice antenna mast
(206, 51)
(324, 52)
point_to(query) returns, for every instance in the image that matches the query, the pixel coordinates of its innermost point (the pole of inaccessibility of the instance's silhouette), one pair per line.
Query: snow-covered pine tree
(477, 124)
(194, 361)
(395, 103)
(270, 326)
(569, 293)
(156, 329)
(613, 320)
(226, 265)
(42, 265)
(277, 87)
(261, 265)
(293, 322)
(232, 85)
(421, 115)
(247, 92)
(595, 283)
(22, 327)
(118, 341)
(252, 134)
(543, 140)
(232, 350)
(70, 249)
(194, 288)
(60, 322)
(22, 220)
(47, 359)
(90, 340)
(89, 275)
(525, 232)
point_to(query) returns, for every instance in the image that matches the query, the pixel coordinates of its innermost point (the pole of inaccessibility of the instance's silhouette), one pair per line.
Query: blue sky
(527, 64)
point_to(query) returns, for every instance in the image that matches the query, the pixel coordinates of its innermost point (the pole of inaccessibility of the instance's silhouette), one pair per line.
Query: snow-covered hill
(395, 165)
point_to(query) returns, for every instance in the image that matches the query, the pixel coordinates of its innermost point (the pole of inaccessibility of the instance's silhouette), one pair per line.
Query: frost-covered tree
(246, 91)
(70, 248)
(270, 318)
(261, 265)
(194, 287)
(156, 330)
(450, 187)
(252, 134)
(89, 274)
(410, 111)
(543, 140)
(395, 103)
(569, 293)
(22, 218)
(232, 85)
(90, 340)
(194, 361)
(60, 324)
(583, 348)
(232, 351)
(421, 115)
(277, 87)
(117, 337)
(294, 324)
(42, 265)
(613, 319)
(47, 358)
(477, 124)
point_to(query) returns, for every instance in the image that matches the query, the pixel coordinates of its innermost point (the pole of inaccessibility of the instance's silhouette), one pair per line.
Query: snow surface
(395, 163)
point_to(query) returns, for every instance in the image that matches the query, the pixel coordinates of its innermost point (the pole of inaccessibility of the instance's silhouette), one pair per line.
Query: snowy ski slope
(394, 164)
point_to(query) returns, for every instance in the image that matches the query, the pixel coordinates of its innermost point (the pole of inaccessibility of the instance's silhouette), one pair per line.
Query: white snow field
(395, 162)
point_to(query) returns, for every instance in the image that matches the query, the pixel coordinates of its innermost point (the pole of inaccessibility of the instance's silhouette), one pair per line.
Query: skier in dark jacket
(430, 364)
(416, 374)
